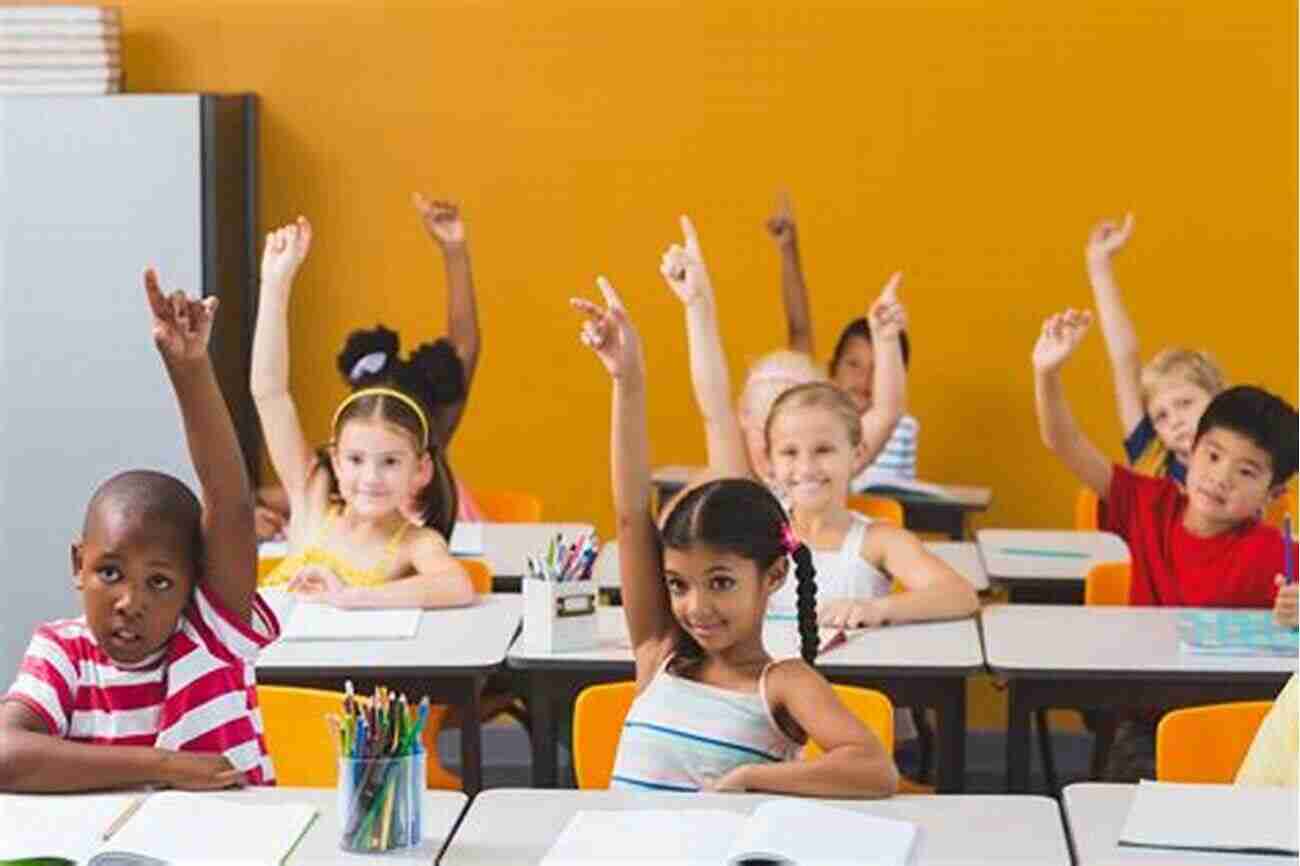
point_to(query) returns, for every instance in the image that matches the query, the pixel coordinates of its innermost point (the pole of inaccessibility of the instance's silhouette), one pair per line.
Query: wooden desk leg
(1019, 712)
(471, 739)
(545, 750)
(951, 712)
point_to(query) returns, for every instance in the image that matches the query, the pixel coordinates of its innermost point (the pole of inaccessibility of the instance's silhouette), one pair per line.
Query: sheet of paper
(646, 836)
(1212, 818)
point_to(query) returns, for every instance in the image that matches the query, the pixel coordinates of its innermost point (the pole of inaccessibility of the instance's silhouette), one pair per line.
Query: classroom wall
(969, 143)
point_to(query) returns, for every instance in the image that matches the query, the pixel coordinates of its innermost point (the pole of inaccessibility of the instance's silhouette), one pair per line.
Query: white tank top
(841, 573)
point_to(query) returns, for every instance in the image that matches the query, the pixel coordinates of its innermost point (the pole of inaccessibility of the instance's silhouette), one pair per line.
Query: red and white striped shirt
(196, 694)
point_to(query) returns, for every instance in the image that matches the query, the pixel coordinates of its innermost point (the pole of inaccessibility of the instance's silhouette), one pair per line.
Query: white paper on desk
(62, 826)
(306, 621)
(466, 539)
(1234, 818)
(796, 831)
(646, 836)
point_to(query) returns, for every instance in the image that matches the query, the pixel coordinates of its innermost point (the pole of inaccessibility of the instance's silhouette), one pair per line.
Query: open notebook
(306, 621)
(1235, 633)
(785, 831)
(1221, 818)
(168, 827)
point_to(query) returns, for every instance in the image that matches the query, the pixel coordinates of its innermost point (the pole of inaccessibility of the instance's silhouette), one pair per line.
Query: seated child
(852, 364)
(1272, 756)
(352, 540)
(1201, 545)
(694, 593)
(154, 683)
(456, 355)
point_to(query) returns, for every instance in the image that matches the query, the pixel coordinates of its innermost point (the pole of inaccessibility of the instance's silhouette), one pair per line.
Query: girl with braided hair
(713, 710)
(370, 513)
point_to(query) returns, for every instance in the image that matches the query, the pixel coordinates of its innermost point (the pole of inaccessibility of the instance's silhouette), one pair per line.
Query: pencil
(131, 809)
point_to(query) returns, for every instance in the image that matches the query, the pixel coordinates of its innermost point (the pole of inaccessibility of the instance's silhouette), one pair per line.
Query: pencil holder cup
(380, 801)
(559, 616)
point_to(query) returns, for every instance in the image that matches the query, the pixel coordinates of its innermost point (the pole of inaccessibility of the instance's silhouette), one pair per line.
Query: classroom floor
(506, 758)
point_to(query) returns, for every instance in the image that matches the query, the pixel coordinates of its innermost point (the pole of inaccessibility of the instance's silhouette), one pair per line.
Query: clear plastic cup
(380, 802)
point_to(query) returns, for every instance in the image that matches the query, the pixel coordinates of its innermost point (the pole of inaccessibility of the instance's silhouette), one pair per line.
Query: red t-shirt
(1174, 568)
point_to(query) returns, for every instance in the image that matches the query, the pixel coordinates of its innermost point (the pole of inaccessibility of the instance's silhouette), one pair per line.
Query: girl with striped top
(154, 684)
(713, 710)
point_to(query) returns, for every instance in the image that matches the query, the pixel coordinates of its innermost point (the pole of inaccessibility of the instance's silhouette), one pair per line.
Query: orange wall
(969, 143)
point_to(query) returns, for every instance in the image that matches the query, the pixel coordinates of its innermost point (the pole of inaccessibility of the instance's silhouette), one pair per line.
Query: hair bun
(369, 356)
(440, 367)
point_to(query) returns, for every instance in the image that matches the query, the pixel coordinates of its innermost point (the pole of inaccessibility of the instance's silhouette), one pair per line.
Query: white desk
(917, 665)
(1107, 657)
(962, 557)
(448, 659)
(1046, 565)
(1096, 814)
(320, 844)
(954, 829)
(507, 545)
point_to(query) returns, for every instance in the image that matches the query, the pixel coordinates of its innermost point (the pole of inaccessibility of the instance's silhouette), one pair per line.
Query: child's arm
(610, 334)
(443, 222)
(33, 761)
(291, 456)
(887, 320)
(855, 764)
(1062, 436)
(1117, 328)
(181, 328)
(794, 292)
(684, 270)
(933, 590)
(439, 581)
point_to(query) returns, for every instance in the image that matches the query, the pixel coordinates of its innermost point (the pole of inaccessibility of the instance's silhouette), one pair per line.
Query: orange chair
(509, 506)
(480, 575)
(301, 746)
(877, 508)
(1085, 509)
(1107, 584)
(1207, 744)
(599, 712)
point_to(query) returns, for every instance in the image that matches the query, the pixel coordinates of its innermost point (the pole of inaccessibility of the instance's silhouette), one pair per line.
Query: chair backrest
(877, 508)
(1107, 583)
(872, 708)
(1085, 509)
(480, 575)
(599, 712)
(293, 720)
(509, 506)
(1207, 744)
(598, 716)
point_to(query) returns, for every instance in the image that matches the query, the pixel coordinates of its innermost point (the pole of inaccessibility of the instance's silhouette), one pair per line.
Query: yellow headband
(383, 392)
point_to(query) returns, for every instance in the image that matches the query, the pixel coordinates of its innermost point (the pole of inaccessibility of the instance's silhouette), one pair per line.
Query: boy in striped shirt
(153, 684)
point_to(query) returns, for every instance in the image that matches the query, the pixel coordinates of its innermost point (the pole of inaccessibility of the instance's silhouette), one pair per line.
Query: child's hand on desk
(851, 613)
(441, 220)
(285, 250)
(1106, 239)
(734, 780)
(1286, 612)
(888, 316)
(1060, 336)
(190, 771)
(318, 585)
(181, 327)
(781, 224)
(683, 267)
(609, 332)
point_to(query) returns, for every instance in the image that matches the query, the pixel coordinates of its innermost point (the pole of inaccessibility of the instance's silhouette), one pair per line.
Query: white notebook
(466, 539)
(307, 621)
(1224, 818)
(170, 827)
(784, 831)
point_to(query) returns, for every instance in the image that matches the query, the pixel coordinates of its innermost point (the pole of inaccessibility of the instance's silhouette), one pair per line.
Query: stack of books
(60, 49)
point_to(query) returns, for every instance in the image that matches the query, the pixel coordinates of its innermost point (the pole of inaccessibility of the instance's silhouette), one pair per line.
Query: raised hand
(609, 332)
(1061, 334)
(888, 316)
(683, 267)
(1107, 238)
(441, 220)
(781, 224)
(285, 250)
(181, 327)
